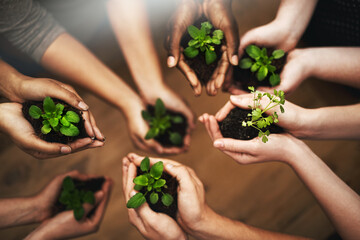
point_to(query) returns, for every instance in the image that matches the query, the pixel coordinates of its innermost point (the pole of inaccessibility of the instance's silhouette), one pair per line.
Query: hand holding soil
(152, 225)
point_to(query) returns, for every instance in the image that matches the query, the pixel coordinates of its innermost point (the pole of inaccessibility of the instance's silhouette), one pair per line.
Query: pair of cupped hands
(275, 34)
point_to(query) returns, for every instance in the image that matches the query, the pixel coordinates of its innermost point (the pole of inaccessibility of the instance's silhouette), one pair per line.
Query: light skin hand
(185, 15)
(150, 224)
(64, 225)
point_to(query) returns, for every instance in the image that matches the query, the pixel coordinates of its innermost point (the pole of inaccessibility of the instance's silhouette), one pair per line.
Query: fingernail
(169, 166)
(234, 60)
(218, 144)
(171, 61)
(83, 106)
(65, 150)
(201, 118)
(132, 193)
(93, 138)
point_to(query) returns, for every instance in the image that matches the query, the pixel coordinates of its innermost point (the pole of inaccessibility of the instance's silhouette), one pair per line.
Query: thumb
(99, 195)
(174, 46)
(242, 101)
(182, 175)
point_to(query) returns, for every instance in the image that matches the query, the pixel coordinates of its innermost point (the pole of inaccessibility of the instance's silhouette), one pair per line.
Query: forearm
(339, 201)
(340, 122)
(130, 23)
(293, 16)
(335, 64)
(18, 211)
(69, 58)
(219, 227)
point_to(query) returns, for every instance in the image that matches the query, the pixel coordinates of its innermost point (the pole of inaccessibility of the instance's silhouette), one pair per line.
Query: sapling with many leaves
(161, 123)
(53, 118)
(74, 198)
(258, 121)
(152, 182)
(261, 63)
(204, 42)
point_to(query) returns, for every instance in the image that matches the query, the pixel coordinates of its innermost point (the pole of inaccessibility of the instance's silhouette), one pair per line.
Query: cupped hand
(186, 13)
(150, 224)
(64, 225)
(279, 147)
(175, 103)
(13, 123)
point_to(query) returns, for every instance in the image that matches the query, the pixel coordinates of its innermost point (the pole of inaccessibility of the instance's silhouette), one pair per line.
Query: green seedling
(54, 118)
(161, 123)
(153, 183)
(203, 41)
(74, 198)
(258, 121)
(260, 63)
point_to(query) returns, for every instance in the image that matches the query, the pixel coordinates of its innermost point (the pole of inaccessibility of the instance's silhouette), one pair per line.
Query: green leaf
(146, 115)
(68, 184)
(264, 52)
(206, 26)
(54, 122)
(191, 52)
(251, 88)
(278, 54)
(145, 164)
(254, 67)
(262, 73)
(167, 199)
(256, 114)
(72, 116)
(70, 131)
(35, 112)
(154, 198)
(89, 197)
(136, 201)
(215, 41)
(175, 138)
(153, 132)
(253, 51)
(79, 213)
(149, 188)
(271, 68)
(274, 79)
(159, 183)
(157, 170)
(218, 34)
(141, 180)
(45, 129)
(49, 105)
(64, 122)
(65, 197)
(177, 119)
(193, 31)
(264, 139)
(282, 109)
(138, 187)
(245, 63)
(210, 57)
(193, 42)
(160, 109)
(59, 108)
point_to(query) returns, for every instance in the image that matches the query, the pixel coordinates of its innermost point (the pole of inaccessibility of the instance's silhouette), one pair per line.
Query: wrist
(10, 85)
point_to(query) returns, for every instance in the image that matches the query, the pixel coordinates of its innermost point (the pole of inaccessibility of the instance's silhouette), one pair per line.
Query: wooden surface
(268, 196)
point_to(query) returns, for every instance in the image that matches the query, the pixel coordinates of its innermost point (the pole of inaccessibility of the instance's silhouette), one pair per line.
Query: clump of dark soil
(231, 126)
(198, 64)
(171, 189)
(180, 128)
(53, 136)
(243, 78)
(93, 184)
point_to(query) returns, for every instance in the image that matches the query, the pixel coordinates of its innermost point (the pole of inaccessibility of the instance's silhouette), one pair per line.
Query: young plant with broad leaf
(74, 198)
(258, 120)
(261, 63)
(202, 41)
(161, 123)
(152, 182)
(53, 118)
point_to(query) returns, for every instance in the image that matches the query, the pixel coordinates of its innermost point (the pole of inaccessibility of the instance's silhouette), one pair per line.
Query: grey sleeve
(28, 26)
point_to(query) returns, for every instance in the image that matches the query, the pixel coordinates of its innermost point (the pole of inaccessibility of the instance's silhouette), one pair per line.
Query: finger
(207, 126)
(135, 220)
(223, 68)
(235, 91)
(214, 128)
(99, 195)
(98, 134)
(37, 145)
(87, 124)
(174, 45)
(100, 210)
(125, 169)
(95, 144)
(239, 146)
(136, 159)
(173, 150)
(182, 175)
(232, 43)
(148, 216)
(190, 75)
(79, 144)
(155, 146)
(224, 111)
(130, 177)
(187, 140)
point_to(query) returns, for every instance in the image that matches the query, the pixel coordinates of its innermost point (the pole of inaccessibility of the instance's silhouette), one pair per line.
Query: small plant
(261, 63)
(161, 123)
(203, 41)
(54, 119)
(74, 198)
(152, 182)
(260, 122)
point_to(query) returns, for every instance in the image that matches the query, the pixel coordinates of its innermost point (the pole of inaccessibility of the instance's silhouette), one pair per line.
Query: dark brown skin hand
(185, 15)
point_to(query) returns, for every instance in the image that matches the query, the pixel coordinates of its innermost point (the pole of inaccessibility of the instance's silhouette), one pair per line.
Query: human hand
(13, 123)
(175, 103)
(64, 225)
(150, 224)
(185, 15)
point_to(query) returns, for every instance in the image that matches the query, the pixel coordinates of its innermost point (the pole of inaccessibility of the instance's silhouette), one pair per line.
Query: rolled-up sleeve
(28, 26)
